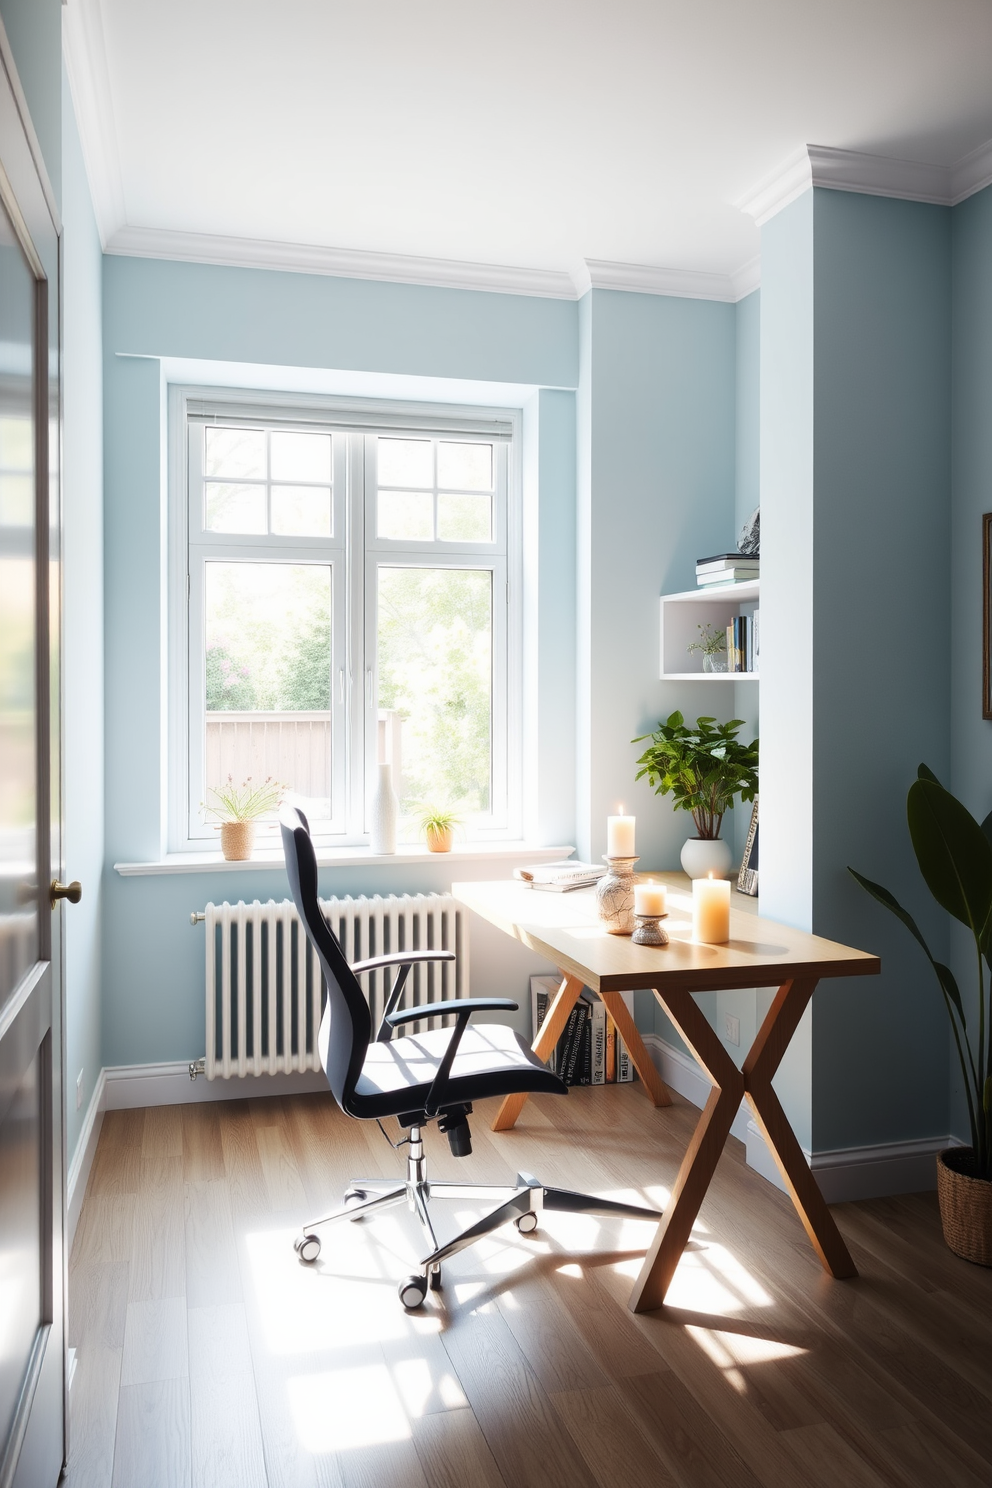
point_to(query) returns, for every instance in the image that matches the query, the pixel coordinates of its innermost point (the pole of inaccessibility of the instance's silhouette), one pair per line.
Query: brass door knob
(73, 892)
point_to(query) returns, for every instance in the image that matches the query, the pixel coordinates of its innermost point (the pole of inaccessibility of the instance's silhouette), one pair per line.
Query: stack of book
(742, 643)
(589, 1051)
(725, 568)
(560, 878)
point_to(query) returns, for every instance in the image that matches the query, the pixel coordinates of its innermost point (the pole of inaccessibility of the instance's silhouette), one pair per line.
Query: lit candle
(650, 899)
(620, 836)
(710, 910)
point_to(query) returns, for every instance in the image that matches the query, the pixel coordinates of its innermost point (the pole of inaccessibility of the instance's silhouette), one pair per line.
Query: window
(341, 595)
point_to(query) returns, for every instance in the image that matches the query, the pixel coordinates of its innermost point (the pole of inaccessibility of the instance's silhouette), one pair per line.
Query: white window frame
(355, 557)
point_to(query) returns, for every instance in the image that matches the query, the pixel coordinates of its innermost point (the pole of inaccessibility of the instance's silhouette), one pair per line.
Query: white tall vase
(384, 810)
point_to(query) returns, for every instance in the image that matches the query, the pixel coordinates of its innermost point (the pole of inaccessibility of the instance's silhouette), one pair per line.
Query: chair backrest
(346, 1027)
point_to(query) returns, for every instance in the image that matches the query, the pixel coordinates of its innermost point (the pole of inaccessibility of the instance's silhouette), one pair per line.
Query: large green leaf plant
(702, 768)
(955, 857)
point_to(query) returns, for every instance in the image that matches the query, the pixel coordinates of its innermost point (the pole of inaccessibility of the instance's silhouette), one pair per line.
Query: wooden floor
(208, 1356)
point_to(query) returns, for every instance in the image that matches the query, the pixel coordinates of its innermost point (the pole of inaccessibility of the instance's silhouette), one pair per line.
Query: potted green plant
(954, 853)
(438, 827)
(713, 644)
(237, 808)
(703, 769)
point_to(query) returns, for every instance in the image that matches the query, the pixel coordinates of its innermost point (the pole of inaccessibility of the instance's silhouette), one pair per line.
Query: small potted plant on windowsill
(954, 853)
(438, 828)
(703, 769)
(237, 808)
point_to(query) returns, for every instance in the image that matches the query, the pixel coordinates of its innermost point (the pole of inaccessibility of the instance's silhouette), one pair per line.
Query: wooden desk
(565, 929)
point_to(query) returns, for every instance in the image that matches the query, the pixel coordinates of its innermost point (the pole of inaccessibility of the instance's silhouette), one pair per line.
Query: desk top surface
(566, 929)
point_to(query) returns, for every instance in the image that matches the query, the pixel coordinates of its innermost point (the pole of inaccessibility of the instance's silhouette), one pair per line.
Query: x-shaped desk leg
(753, 1081)
(552, 1029)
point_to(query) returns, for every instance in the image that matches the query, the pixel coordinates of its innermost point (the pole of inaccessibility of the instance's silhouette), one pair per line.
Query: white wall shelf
(681, 614)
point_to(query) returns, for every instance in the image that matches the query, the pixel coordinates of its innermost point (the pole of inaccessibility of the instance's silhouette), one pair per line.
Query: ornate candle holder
(615, 895)
(649, 932)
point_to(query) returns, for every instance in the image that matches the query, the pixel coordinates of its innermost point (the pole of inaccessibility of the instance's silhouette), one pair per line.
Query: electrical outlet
(79, 1090)
(731, 1028)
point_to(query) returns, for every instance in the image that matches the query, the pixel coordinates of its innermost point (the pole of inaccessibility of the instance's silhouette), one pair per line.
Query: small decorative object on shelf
(726, 568)
(384, 810)
(749, 537)
(703, 769)
(438, 828)
(237, 808)
(954, 854)
(713, 644)
(615, 895)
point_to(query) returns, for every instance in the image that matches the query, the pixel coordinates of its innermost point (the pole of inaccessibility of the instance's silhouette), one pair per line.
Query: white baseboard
(870, 1172)
(82, 1158)
(133, 1085)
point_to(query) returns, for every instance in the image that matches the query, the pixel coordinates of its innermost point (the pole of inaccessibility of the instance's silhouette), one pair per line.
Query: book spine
(625, 1069)
(598, 1073)
(585, 1074)
(611, 1051)
(565, 1046)
(573, 1068)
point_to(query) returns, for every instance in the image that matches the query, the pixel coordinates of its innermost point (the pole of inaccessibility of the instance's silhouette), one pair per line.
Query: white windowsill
(407, 856)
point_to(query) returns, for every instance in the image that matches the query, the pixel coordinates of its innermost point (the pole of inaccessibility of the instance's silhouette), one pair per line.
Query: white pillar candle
(650, 899)
(620, 836)
(710, 910)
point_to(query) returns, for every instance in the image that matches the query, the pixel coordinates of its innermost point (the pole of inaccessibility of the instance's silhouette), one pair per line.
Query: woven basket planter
(965, 1206)
(237, 839)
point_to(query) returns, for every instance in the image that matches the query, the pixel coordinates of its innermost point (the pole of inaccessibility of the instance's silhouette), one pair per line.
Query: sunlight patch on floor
(708, 1279)
(344, 1408)
(732, 1352)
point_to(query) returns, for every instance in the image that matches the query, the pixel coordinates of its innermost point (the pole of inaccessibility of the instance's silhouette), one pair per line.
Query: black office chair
(433, 1076)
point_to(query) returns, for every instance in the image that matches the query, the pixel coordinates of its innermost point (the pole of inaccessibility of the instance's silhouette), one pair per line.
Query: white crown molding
(689, 284)
(973, 172)
(747, 278)
(344, 263)
(89, 83)
(869, 175)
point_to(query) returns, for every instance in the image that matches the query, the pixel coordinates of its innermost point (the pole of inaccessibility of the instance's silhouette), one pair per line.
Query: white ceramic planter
(707, 857)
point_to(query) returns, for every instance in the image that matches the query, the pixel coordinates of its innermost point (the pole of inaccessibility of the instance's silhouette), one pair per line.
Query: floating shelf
(681, 614)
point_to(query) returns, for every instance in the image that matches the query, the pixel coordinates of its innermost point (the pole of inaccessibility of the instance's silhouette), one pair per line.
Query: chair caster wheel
(307, 1247)
(527, 1223)
(353, 1197)
(412, 1292)
(435, 1278)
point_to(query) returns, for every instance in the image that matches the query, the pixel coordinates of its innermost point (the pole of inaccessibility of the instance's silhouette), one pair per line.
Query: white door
(32, 1179)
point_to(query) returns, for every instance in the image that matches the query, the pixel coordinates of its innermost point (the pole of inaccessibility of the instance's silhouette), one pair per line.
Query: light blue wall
(154, 963)
(971, 735)
(747, 493)
(34, 30)
(656, 458)
(82, 448)
(855, 460)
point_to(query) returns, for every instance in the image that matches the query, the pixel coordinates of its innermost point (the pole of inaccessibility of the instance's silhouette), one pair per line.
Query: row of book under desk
(590, 1051)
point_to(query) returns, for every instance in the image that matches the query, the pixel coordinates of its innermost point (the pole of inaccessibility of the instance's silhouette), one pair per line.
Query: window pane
(406, 462)
(301, 457)
(237, 454)
(434, 651)
(465, 467)
(406, 515)
(267, 676)
(233, 508)
(301, 511)
(465, 518)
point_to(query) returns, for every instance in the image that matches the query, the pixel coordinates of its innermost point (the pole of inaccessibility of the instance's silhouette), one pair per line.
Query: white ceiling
(534, 133)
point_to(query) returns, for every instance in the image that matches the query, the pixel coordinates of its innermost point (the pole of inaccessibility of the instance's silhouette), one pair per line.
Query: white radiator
(265, 991)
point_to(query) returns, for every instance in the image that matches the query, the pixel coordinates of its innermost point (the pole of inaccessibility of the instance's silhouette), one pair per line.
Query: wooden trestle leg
(552, 1029)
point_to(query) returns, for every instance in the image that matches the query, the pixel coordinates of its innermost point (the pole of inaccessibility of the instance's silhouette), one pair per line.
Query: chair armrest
(401, 958)
(467, 1005)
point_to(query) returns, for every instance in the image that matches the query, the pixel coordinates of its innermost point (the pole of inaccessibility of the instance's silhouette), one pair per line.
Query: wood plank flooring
(208, 1357)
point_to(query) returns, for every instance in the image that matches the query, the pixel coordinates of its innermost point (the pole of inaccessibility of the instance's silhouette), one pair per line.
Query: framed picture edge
(747, 878)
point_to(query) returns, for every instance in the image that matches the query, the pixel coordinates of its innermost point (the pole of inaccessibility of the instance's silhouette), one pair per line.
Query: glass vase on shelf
(714, 661)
